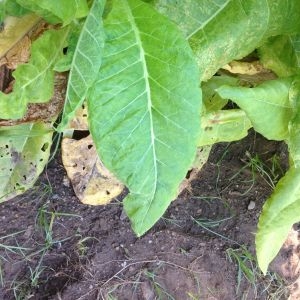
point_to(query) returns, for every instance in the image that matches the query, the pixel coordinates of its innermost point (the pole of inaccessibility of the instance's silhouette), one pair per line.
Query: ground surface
(67, 250)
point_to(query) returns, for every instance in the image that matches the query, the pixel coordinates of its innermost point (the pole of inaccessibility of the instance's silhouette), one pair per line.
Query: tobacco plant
(149, 71)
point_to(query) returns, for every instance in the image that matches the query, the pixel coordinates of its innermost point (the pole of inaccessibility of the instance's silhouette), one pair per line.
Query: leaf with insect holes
(268, 106)
(223, 30)
(24, 152)
(93, 184)
(34, 81)
(279, 213)
(144, 109)
(86, 62)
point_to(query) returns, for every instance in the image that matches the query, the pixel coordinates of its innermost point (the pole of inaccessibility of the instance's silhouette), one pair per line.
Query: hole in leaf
(65, 50)
(188, 174)
(45, 147)
(80, 134)
(24, 176)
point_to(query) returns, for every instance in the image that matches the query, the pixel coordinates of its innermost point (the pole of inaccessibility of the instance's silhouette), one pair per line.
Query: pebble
(251, 205)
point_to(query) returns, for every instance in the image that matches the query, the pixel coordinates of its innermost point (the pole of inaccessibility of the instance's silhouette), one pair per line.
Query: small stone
(251, 205)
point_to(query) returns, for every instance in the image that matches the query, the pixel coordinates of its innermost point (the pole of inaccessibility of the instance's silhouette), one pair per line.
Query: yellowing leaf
(24, 152)
(92, 182)
(15, 29)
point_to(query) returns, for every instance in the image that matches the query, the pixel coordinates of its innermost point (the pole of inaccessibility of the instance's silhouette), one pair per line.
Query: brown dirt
(92, 253)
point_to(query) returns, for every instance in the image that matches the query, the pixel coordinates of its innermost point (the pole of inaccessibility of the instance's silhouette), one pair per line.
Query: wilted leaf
(224, 126)
(92, 182)
(24, 151)
(271, 97)
(279, 214)
(86, 62)
(144, 110)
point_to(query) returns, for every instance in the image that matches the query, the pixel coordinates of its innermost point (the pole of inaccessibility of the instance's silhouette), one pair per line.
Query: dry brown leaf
(249, 68)
(15, 39)
(92, 182)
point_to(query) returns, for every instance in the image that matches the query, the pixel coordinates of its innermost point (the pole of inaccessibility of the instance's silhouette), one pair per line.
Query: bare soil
(67, 250)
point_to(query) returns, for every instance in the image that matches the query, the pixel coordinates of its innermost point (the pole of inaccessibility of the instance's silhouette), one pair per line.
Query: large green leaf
(24, 152)
(34, 81)
(86, 62)
(216, 39)
(281, 54)
(279, 213)
(63, 12)
(223, 126)
(144, 111)
(267, 106)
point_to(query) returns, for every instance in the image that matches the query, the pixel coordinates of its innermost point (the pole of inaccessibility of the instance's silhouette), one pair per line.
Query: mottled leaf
(216, 39)
(24, 152)
(144, 110)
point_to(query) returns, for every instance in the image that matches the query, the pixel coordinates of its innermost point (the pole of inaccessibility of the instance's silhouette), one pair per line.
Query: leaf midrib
(135, 29)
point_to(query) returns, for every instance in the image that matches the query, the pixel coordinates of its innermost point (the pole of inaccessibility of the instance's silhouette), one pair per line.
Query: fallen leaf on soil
(92, 182)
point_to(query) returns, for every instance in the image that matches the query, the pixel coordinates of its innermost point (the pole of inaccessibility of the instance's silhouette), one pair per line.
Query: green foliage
(144, 109)
(271, 97)
(34, 80)
(86, 62)
(140, 65)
